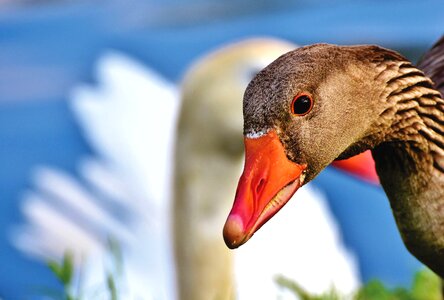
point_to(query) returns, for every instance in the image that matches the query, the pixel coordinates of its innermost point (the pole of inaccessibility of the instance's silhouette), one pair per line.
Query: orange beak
(267, 183)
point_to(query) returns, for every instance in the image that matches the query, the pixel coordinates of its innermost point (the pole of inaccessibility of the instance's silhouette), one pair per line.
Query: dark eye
(301, 104)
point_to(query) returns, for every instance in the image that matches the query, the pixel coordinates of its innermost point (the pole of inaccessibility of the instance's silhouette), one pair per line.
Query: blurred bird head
(212, 92)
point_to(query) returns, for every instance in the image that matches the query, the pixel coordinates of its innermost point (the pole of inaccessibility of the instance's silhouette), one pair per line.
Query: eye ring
(301, 104)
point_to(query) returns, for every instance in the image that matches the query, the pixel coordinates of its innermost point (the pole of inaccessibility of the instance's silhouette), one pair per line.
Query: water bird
(320, 103)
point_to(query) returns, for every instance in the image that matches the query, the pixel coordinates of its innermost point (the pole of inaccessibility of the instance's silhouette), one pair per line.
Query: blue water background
(46, 48)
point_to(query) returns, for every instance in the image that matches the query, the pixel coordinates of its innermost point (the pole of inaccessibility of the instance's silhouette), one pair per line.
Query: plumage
(365, 97)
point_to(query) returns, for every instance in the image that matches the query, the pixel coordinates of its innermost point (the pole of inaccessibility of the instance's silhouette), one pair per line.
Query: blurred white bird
(129, 118)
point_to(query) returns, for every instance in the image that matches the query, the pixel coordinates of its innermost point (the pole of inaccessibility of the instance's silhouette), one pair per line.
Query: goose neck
(410, 163)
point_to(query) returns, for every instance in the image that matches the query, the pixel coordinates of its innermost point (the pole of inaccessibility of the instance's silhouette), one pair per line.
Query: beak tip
(234, 235)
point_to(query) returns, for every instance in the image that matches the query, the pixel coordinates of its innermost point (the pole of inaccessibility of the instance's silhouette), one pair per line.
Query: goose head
(308, 108)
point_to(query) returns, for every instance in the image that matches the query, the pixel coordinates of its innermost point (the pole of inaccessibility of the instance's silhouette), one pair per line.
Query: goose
(324, 102)
(137, 184)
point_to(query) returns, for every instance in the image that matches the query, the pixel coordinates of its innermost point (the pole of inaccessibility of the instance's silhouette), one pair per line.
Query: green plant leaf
(67, 270)
(302, 294)
(294, 287)
(116, 254)
(426, 286)
(55, 267)
(374, 289)
(111, 286)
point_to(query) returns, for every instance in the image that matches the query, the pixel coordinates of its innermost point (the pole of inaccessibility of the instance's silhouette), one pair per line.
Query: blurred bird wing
(130, 117)
(63, 215)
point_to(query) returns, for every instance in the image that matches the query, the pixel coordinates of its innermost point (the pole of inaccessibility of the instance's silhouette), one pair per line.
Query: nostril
(260, 186)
